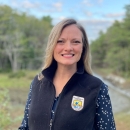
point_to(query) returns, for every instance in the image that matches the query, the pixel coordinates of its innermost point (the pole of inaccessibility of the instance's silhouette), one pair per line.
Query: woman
(65, 95)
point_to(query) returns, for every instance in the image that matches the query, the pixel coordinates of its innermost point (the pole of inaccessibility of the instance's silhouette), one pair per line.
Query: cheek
(79, 49)
(57, 49)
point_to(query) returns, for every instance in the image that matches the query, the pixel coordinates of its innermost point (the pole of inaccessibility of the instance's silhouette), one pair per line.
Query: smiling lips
(67, 55)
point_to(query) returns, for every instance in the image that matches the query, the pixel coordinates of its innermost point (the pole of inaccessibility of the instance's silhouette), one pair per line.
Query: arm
(24, 124)
(104, 119)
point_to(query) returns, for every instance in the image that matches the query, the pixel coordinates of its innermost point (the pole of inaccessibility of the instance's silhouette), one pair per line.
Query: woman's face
(69, 46)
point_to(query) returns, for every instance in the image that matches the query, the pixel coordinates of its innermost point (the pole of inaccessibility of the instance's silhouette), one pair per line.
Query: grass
(122, 121)
(17, 85)
(106, 71)
(6, 81)
(102, 71)
(17, 113)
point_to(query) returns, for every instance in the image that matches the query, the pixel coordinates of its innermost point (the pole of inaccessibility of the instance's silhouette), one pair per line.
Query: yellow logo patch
(77, 103)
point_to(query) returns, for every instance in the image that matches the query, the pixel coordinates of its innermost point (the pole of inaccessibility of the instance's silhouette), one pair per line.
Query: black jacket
(68, 115)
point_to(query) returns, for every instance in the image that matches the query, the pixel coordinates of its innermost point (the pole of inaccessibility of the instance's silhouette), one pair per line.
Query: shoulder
(103, 95)
(91, 79)
(103, 89)
(39, 79)
(36, 80)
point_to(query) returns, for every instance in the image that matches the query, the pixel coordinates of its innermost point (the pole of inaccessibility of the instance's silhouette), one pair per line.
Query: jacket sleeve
(104, 119)
(24, 124)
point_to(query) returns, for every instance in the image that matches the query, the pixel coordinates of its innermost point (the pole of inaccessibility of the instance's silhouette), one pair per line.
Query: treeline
(22, 39)
(111, 50)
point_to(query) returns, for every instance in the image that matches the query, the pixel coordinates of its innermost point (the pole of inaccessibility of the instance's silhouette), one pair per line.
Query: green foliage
(23, 82)
(99, 49)
(17, 74)
(22, 39)
(5, 119)
(111, 50)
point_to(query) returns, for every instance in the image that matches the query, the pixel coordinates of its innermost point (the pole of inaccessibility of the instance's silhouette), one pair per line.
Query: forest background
(23, 40)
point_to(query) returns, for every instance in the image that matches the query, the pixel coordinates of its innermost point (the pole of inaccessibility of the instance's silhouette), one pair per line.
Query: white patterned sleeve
(104, 119)
(24, 124)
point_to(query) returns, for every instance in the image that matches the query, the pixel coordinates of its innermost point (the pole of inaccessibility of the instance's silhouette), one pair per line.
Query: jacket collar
(50, 71)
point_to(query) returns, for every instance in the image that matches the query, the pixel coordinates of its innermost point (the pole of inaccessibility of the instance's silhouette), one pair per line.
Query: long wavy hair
(52, 41)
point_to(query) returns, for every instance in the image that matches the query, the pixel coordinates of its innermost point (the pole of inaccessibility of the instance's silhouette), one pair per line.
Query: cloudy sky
(94, 15)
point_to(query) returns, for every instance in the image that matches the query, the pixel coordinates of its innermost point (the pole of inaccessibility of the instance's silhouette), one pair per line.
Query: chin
(68, 64)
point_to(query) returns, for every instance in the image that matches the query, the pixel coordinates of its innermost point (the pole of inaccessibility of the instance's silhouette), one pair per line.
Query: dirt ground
(122, 121)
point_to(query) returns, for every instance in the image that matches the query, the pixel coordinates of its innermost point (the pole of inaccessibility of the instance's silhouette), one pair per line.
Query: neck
(64, 72)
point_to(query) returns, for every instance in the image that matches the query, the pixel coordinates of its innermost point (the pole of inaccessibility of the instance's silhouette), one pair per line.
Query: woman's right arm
(24, 124)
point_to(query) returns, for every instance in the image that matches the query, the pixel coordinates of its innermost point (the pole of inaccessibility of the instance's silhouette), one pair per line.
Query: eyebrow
(72, 39)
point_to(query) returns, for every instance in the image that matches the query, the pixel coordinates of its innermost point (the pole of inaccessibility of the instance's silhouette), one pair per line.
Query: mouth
(67, 55)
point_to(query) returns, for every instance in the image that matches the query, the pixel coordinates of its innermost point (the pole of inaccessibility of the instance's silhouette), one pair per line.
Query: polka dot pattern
(24, 124)
(104, 119)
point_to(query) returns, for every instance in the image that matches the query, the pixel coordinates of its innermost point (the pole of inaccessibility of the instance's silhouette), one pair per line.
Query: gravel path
(120, 99)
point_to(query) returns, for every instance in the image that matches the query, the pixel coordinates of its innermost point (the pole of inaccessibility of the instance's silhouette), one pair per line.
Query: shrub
(18, 74)
(5, 119)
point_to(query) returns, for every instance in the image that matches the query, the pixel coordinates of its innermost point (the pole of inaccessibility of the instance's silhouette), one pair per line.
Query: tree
(111, 50)
(22, 39)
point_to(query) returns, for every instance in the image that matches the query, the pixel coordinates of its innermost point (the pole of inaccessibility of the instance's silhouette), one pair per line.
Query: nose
(68, 46)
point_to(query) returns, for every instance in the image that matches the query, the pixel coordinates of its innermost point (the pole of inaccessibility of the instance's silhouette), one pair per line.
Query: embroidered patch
(77, 103)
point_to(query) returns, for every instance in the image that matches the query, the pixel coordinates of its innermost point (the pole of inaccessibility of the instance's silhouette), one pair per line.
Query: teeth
(67, 54)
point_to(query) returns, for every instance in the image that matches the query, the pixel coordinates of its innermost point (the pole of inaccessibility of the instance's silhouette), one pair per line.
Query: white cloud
(57, 19)
(96, 22)
(114, 15)
(94, 26)
(27, 4)
(100, 1)
(88, 13)
(62, 17)
(58, 6)
(15, 3)
(87, 3)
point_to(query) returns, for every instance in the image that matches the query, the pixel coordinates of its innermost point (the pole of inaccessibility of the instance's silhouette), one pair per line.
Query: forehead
(71, 31)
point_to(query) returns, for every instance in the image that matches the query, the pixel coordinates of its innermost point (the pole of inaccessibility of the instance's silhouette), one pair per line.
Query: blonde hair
(52, 41)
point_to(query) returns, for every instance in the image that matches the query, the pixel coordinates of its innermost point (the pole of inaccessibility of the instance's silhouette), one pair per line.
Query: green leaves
(111, 50)
(5, 119)
(22, 38)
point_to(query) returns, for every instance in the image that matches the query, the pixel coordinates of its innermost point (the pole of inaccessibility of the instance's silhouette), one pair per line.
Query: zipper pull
(50, 124)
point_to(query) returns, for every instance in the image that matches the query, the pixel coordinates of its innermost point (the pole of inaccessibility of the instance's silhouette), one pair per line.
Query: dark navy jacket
(82, 85)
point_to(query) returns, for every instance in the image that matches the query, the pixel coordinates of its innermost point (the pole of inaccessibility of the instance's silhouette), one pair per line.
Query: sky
(94, 15)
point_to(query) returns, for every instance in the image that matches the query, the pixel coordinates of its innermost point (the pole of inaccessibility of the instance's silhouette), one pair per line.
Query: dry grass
(16, 82)
(122, 121)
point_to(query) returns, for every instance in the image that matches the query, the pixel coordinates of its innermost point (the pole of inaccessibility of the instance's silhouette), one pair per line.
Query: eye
(76, 42)
(60, 41)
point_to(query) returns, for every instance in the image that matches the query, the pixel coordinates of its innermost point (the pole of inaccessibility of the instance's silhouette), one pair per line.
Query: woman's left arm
(104, 119)
(24, 124)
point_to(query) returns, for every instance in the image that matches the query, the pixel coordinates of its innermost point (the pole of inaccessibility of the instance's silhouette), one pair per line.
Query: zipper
(50, 124)
(51, 120)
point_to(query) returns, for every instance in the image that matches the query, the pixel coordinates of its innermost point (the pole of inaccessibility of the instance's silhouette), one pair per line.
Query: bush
(18, 74)
(5, 119)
